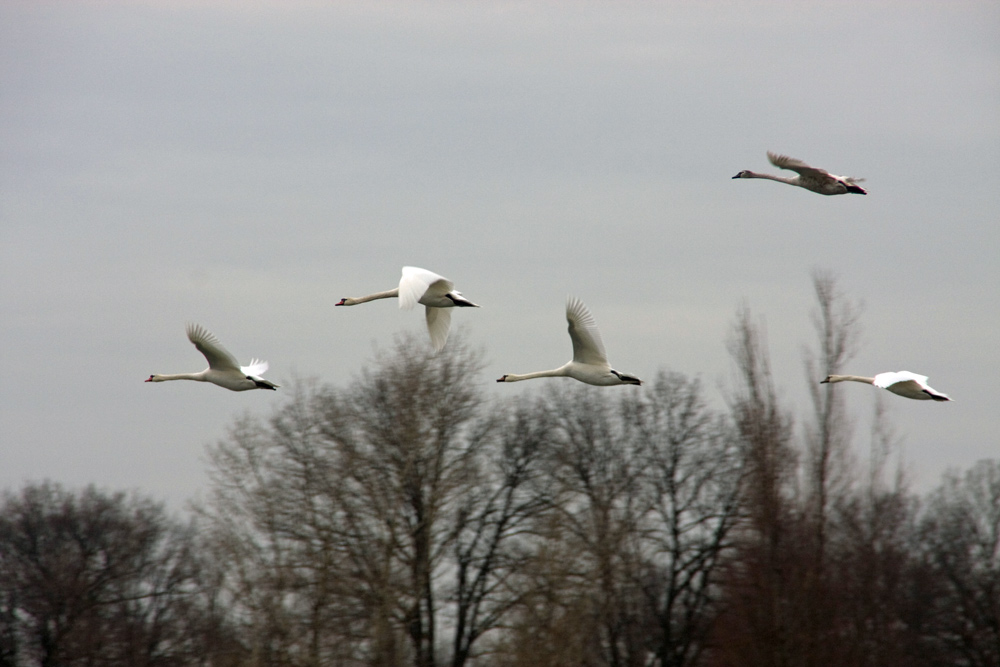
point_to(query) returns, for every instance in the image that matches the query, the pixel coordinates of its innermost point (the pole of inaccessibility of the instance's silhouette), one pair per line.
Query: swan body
(902, 383)
(223, 369)
(435, 292)
(590, 363)
(810, 178)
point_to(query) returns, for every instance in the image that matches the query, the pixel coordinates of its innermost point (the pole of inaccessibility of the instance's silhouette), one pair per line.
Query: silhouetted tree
(94, 578)
(693, 467)
(274, 519)
(596, 472)
(827, 473)
(836, 323)
(494, 527)
(867, 564)
(959, 615)
(368, 524)
(761, 622)
(820, 573)
(644, 494)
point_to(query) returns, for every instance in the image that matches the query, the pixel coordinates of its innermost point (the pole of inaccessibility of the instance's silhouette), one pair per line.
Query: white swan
(426, 287)
(223, 369)
(810, 178)
(903, 383)
(590, 363)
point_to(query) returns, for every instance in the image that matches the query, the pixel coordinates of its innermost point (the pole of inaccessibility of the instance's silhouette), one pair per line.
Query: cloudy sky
(246, 165)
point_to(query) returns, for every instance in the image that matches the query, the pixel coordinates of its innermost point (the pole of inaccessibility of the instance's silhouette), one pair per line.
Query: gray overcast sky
(245, 165)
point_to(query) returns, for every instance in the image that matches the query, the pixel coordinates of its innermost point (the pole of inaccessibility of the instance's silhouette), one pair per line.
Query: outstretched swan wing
(885, 380)
(438, 324)
(785, 162)
(416, 282)
(219, 358)
(587, 345)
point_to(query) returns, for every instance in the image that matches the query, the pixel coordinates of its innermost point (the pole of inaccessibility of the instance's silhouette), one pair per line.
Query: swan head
(503, 379)
(153, 378)
(854, 189)
(345, 302)
(743, 174)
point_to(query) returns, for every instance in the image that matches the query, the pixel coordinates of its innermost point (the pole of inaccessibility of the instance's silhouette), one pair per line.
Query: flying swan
(223, 369)
(426, 287)
(902, 383)
(810, 178)
(590, 362)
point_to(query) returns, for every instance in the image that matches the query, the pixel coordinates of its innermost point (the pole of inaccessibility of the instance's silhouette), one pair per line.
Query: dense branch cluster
(406, 520)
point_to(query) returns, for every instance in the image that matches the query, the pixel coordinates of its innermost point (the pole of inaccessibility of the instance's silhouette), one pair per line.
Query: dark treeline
(407, 520)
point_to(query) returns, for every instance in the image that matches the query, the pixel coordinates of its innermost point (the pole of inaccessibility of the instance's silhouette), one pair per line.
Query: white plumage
(901, 383)
(435, 292)
(223, 369)
(590, 362)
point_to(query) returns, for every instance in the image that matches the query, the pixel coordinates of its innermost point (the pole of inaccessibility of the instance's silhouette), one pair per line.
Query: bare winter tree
(94, 578)
(409, 449)
(826, 472)
(958, 613)
(861, 618)
(380, 524)
(580, 601)
(596, 473)
(760, 625)
(836, 322)
(693, 468)
(818, 577)
(644, 491)
(494, 527)
(273, 518)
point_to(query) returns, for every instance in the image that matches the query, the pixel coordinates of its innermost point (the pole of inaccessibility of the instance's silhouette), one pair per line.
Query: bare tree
(644, 495)
(827, 473)
(867, 564)
(761, 622)
(819, 577)
(273, 517)
(960, 531)
(828, 438)
(93, 578)
(369, 525)
(409, 450)
(596, 473)
(693, 468)
(494, 527)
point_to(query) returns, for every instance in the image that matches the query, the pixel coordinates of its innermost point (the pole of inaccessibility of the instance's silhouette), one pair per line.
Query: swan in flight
(810, 178)
(223, 369)
(590, 362)
(436, 292)
(903, 383)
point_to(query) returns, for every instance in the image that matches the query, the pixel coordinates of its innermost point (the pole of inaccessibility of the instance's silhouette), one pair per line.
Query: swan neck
(851, 378)
(199, 377)
(388, 294)
(555, 372)
(781, 179)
